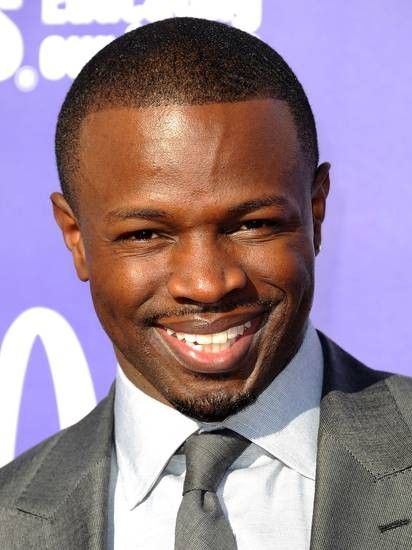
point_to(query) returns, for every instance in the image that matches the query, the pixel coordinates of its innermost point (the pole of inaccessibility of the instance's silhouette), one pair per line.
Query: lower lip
(208, 362)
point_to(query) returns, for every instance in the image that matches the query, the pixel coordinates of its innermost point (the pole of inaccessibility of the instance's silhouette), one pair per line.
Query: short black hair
(181, 61)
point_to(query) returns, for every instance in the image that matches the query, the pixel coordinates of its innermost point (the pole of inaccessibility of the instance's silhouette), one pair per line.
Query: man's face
(197, 228)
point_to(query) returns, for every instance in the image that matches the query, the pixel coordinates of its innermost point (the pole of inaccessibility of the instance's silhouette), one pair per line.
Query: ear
(320, 190)
(67, 221)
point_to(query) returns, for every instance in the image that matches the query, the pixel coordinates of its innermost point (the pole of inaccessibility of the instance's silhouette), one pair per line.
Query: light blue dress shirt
(267, 493)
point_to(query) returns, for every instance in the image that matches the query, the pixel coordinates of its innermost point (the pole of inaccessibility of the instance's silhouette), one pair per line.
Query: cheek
(120, 284)
(285, 263)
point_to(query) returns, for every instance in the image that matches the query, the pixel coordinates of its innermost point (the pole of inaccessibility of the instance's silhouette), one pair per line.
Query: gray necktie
(200, 523)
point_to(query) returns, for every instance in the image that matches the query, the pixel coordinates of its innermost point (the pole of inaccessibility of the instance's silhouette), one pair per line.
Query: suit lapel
(66, 501)
(363, 482)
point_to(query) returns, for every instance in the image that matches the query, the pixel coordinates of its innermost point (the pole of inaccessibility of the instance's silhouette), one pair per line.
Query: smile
(212, 343)
(216, 352)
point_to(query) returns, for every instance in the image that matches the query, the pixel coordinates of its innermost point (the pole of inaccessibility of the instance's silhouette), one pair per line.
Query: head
(192, 201)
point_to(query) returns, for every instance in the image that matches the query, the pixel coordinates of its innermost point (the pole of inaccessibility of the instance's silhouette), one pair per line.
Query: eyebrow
(132, 213)
(156, 214)
(255, 204)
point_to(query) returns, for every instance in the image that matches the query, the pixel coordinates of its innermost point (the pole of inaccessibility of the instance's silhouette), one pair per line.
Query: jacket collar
(78, 454)
(359, 411)
(364, 444)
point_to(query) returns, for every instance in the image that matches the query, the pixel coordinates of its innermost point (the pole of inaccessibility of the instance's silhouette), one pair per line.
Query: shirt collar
(147, 434)
(283, 421)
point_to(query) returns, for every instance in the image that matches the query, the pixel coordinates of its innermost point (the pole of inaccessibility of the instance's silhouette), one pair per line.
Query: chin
(214, 407)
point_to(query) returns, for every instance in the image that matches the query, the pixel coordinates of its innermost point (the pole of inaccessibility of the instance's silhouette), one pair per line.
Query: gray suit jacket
(55, 495)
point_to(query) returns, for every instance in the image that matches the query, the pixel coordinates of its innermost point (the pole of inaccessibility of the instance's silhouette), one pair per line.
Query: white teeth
(204, 339)
(211, 342)
(191, 338)
(220, 337)
(210, 348)
(197, 347)
(232, 332)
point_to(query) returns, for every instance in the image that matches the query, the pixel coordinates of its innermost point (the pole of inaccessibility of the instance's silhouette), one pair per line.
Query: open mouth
(213, 352)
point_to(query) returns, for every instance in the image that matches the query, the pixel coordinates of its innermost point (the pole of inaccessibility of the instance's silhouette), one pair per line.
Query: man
(193, 203)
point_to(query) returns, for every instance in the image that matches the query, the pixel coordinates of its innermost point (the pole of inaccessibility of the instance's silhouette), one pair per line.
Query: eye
(141, 235)
(255, 224)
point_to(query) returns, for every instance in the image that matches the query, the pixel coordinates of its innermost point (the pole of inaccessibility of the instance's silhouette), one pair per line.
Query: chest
(268, 504)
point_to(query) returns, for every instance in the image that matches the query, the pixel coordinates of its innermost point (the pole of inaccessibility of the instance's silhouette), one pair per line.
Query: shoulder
(399, 384)
(348, 383)
(15, 475)
(62, 456)
(346, 374)
(400, 388)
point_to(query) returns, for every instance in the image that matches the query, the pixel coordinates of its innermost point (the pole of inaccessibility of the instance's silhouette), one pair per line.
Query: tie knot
(208, 456)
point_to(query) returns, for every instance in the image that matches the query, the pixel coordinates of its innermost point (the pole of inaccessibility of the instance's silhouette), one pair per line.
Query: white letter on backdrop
(70, 373)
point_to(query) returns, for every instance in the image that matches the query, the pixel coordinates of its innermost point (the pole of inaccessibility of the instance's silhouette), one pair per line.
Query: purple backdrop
(354, 61)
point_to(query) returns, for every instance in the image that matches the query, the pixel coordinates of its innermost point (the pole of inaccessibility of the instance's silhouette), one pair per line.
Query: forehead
(190, 148)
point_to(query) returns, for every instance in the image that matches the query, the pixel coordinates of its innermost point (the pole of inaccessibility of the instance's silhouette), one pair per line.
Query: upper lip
(211, 323)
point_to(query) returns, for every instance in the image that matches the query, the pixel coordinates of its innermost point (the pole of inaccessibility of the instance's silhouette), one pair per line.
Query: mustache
(191, 311)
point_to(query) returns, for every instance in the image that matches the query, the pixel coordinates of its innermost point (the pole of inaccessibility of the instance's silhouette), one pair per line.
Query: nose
(204, 272)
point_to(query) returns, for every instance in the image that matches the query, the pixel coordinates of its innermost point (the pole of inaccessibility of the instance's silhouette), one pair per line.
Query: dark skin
(231, 224)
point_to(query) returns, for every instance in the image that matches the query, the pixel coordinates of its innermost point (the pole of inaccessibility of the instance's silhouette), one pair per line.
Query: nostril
(206, 286)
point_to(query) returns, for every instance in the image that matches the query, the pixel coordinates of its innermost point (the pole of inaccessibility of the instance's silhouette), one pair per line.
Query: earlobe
(320, 191)
(67, 221)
